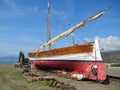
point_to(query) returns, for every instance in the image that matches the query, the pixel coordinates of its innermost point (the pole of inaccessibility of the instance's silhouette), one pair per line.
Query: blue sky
(23, 23)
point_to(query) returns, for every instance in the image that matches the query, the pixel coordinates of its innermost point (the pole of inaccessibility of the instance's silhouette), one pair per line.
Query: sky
(23, 24)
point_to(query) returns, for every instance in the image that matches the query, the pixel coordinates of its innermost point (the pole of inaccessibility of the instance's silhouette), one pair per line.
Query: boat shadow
(105, 82)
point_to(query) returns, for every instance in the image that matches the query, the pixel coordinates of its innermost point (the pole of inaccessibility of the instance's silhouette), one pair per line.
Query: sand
(11, 79)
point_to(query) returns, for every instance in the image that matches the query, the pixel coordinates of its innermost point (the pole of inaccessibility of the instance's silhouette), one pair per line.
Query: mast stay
(69, 31)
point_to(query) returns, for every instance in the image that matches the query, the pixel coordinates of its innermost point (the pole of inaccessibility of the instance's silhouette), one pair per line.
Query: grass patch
(12, 79)
(115, 65)
(17, 74)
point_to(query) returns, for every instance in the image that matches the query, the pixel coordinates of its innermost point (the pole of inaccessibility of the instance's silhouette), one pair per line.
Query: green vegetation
(115, 65)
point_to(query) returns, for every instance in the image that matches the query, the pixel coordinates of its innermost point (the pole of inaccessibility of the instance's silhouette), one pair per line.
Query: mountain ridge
(111, 56)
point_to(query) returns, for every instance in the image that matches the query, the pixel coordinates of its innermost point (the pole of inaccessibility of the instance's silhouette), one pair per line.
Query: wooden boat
(83, 61)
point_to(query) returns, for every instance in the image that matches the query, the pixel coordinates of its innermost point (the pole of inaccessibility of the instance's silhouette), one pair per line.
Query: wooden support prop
(64, 87)
(48, 78)
(59, 84)
(17, 65)
(54, 84)
(41, 77)
(36, 78)
(29, 78)
(51, 82)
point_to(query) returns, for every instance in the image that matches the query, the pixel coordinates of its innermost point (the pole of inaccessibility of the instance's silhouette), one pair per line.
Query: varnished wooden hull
(64, 51)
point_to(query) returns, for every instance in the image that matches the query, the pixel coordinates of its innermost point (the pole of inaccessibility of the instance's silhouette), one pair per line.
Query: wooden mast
(49, 34)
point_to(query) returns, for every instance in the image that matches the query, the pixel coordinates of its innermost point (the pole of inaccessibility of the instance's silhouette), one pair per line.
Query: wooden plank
(29, 78)
(64, 87)
(18, 65)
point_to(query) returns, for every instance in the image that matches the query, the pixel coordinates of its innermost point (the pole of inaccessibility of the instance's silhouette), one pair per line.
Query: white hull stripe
(79, 56)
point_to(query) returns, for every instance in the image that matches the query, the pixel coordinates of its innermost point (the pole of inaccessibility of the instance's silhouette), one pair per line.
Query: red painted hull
(75, 66)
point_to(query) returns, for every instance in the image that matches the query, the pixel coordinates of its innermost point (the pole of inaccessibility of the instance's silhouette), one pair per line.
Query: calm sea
(7, 62)
(8, 59)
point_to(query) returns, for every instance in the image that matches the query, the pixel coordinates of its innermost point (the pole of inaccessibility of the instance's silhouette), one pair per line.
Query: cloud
(32, 9)
(11, 4)
(10, 8)
(27, 39)
(67, 12)
(110, 43)
(8, 49)
(20, 43)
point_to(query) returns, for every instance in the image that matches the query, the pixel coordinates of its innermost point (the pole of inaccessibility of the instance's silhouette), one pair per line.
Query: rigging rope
(92, 30)
(60, 29)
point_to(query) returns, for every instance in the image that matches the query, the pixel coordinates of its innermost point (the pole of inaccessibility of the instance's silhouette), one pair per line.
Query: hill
(111, 56)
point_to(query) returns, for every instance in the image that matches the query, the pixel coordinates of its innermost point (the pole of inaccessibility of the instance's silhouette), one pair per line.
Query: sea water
(8, 59)
(7, 62)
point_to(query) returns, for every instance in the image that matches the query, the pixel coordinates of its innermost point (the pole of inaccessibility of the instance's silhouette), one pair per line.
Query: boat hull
(79, 59)
(76, 66)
